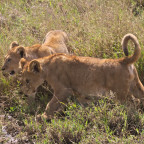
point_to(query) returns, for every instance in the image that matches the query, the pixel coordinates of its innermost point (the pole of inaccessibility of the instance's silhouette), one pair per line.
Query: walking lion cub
(86, 75)
(54, 43)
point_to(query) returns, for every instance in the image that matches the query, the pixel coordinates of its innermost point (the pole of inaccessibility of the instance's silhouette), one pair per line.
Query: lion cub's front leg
(57, 103)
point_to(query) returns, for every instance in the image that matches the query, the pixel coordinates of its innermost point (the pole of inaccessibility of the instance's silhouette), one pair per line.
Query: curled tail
(137, 51)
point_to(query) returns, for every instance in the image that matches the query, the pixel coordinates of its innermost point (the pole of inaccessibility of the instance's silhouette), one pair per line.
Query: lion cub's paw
(38, 118)
(137, 102)
(43, 117)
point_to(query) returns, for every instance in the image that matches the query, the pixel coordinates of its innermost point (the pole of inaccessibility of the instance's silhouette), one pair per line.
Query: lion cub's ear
(34, 66)
(21, 51)
(14, 44)
(22, 63)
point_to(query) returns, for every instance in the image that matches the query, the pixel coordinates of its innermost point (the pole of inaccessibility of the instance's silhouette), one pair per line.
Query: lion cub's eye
(27, 81)
(9, 60)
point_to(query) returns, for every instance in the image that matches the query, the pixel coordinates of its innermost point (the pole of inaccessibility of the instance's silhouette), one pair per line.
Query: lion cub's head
(32, 76)
(11, 62)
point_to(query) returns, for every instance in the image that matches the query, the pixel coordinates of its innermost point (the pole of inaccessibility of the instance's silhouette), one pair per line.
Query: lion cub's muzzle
(5, 74)
(3, 68)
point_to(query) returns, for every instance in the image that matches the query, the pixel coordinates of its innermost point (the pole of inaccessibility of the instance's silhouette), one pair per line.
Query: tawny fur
(54, 43)
(85, 75)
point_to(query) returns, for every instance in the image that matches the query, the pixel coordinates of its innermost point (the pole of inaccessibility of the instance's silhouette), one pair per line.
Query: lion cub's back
(57, 40)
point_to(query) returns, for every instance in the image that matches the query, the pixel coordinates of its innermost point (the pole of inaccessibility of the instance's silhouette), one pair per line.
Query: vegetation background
(95, 28)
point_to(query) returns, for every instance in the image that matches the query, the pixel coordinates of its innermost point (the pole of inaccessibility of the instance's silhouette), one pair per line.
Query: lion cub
(54, 43)
(86, 75)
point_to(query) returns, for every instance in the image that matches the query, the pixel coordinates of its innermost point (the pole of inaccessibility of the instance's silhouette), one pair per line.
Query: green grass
(95, 28)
